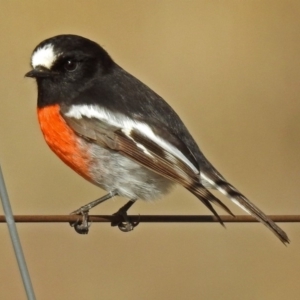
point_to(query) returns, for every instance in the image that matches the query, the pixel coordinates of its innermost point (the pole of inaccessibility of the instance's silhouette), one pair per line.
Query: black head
(66, 64)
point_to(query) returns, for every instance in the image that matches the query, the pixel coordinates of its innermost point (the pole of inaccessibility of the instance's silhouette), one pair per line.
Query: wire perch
(149, 218)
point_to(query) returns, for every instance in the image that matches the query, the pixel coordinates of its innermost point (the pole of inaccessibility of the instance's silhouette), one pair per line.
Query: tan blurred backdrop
(231, 70)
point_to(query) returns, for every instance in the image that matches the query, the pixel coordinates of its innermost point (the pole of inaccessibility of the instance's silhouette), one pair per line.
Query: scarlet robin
(120, 135)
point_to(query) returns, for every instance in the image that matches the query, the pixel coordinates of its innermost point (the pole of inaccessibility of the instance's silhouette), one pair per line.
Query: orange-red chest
(62, 140)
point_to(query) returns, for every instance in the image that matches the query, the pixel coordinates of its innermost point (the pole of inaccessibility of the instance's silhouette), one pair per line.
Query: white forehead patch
(44, 56)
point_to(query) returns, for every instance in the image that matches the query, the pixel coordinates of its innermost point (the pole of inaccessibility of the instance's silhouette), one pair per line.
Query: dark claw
(82, 227)
(125, 226)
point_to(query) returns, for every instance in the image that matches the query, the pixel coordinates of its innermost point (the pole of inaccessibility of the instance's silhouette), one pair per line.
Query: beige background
(231, 70)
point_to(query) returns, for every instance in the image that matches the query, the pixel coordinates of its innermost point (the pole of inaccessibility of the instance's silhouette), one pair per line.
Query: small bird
(117, 133)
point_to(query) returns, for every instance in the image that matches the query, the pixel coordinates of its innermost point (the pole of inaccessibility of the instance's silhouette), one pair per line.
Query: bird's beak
(39, 71)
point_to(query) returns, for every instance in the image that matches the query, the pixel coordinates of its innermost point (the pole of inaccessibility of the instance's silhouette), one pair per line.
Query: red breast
(63, 141)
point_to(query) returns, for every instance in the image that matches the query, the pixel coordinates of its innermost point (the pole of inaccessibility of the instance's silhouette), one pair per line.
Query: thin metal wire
(149, 218)
(15, 239)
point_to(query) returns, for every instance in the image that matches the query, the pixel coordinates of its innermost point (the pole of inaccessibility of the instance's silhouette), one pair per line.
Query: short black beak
(39, 71)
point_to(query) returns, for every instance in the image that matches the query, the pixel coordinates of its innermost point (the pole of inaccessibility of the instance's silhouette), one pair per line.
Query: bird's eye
(70, 65)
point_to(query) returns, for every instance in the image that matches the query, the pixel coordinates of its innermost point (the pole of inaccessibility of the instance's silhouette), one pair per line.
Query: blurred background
(231, 70)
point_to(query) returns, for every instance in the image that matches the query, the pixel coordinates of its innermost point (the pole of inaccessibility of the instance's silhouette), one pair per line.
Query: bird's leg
(83, 226)
(125, 225)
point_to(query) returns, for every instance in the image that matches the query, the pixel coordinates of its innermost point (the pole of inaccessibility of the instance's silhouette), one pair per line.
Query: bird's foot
(126, 225)
(81, 226)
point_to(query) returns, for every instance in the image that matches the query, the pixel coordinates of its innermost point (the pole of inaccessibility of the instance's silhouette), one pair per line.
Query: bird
(119, 134)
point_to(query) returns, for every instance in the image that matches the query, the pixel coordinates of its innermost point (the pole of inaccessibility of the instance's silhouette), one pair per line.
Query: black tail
(239, 199)
(207, 198)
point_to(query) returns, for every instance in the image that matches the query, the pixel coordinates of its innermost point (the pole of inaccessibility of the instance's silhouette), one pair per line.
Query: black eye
(70, 65)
